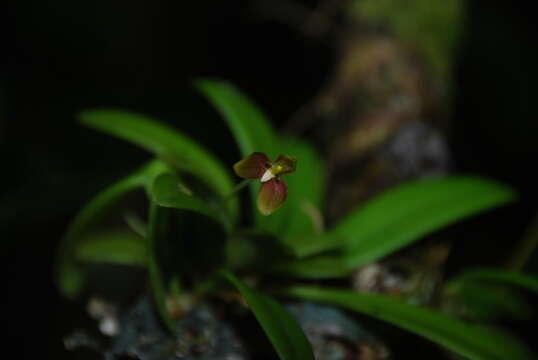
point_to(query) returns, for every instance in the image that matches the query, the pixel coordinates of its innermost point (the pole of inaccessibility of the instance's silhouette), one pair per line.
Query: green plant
(186, 181)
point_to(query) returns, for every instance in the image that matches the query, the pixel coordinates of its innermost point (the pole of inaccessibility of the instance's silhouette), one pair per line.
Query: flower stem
(221, 204)
(236, 189)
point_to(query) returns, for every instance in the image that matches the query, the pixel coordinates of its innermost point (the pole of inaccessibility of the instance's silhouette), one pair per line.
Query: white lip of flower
(267, 175)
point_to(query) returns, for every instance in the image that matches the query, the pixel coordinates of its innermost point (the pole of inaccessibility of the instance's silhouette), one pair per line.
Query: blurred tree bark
(378, 119)
(381, 118)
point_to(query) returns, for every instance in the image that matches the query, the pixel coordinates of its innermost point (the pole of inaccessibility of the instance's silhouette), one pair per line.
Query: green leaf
(496, 276)
(254, 252)
(323, 266)
(165, 142)
(70, 276)
(169, 191)
(314, 244)
(158, 222)
(463, 338)
(404, 214)
(487, 301)
(250, 127)
(281, 328)
(114, 247)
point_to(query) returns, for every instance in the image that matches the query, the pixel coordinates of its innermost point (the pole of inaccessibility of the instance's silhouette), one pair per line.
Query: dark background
(60, 57)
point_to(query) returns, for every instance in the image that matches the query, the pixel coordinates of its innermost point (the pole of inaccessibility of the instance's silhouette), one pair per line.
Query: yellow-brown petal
(284, 164)
(253, 166)
(272, 195)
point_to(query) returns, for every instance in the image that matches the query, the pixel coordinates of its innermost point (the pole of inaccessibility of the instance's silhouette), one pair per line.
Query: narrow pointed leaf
(250, 127)
(281, 328)
(117, 247)
(165, 142)
(466, 339)
(404, 214)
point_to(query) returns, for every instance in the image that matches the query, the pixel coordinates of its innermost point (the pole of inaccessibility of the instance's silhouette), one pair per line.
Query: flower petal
(253, 166)
(267, 175)
(272, 195)
(284, 164)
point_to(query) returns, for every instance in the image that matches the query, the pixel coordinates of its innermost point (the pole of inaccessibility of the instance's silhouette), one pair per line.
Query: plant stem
(236, 189)
(221, 204)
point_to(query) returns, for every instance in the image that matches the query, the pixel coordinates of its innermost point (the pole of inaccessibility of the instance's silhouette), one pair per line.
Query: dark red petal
(272, 195)
(252, 167)
(285, 164)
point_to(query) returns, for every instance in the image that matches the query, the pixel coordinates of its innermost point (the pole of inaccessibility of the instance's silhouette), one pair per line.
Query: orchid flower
(273, 190)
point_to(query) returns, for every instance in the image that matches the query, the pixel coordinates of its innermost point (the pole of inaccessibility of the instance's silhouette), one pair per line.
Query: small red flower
(273, 190)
